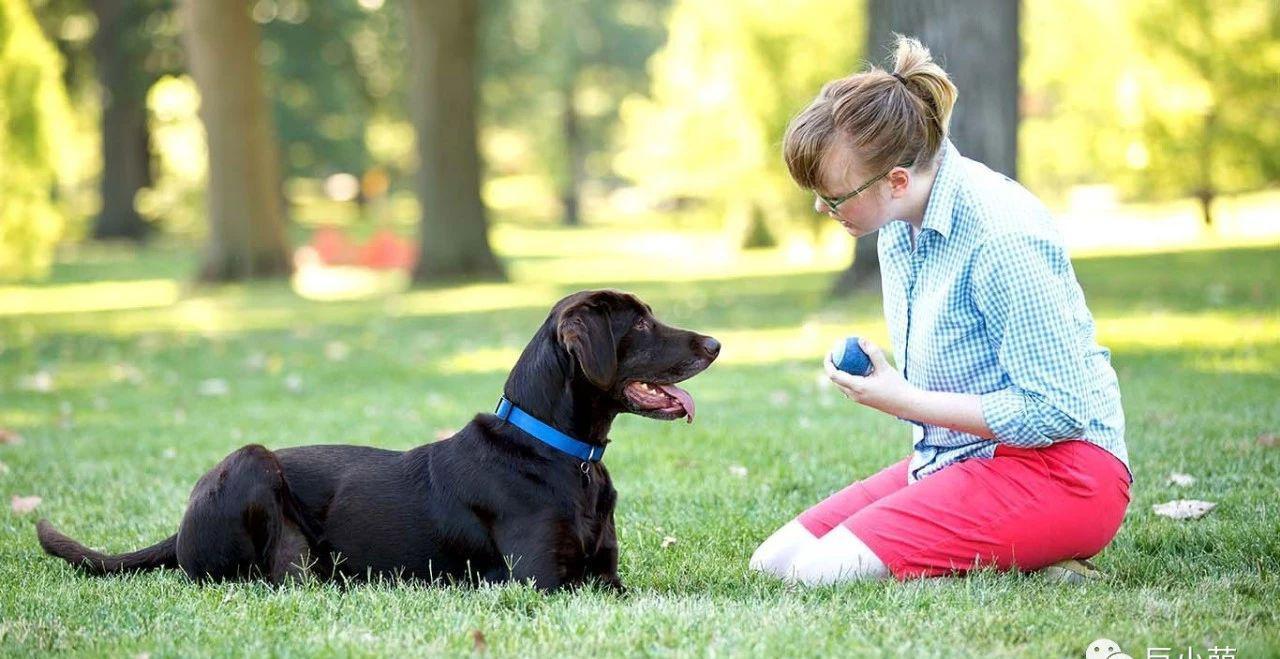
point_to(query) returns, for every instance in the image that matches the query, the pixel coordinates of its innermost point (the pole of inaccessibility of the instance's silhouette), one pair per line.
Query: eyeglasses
(833, 203)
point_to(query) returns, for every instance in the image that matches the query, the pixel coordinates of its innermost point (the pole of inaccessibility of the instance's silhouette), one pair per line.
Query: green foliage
(1163, 98)
(540, 56)
(1213, 104)
(331, 68)
(725, 85)
(33, 116)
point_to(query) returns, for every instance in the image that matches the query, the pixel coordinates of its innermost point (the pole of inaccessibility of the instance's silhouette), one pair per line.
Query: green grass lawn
(115, 444)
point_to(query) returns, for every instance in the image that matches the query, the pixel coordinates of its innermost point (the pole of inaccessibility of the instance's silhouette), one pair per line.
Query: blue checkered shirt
(987, 303)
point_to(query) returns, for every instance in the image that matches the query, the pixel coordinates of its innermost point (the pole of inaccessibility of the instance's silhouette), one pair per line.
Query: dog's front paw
(614, 584)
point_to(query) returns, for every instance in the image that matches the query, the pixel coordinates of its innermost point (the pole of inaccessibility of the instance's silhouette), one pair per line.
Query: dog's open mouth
(662, 401)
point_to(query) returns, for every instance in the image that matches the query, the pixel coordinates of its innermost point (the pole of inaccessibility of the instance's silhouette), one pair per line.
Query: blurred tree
(125, 48)
(1078, 117)
(322, 62)
(454, 228)
(1213, 107)
(976, 42)
(246, 225)
(724, 86)
(34, 114)
(573, 61)
(116, 49)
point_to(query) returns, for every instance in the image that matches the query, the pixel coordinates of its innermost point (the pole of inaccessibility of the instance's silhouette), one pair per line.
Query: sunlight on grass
(82, 298)
(484, 360)
(473, 298)
(1203, 330)
(328, 284)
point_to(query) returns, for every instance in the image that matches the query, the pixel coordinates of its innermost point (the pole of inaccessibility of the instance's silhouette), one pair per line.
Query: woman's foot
(1072, 570)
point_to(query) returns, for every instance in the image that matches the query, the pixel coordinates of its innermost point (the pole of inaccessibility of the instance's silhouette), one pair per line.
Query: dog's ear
(585, 332)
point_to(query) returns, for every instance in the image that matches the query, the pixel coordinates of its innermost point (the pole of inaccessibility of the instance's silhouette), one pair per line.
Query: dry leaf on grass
(214, 387)
(41, 381)
(24, 505)
(478, 643)
(738, 470)
(126, 372)
(1181, 479)
(336, 351)
(1184, 508)
(668, 541)
(9, 437)
(1267, 439)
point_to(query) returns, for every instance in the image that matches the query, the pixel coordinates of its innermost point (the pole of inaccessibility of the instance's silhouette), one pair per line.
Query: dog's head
(618, 347)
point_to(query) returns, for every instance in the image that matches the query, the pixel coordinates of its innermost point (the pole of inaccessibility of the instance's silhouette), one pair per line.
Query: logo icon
(1105, 648)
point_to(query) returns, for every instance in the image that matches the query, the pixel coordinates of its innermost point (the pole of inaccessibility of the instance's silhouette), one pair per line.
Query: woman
(1019, 459)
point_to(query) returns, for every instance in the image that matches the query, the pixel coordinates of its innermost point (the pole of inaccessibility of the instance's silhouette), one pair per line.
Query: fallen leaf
(24, 505)
(668, 541)
(738, 470)
(125, 372)
(214, 387)
(1184, 508)
(41, 381)
(1181, 480)
(336, 351)
(1267, 439)
(478, 643)
(256, 361)
(9, 437)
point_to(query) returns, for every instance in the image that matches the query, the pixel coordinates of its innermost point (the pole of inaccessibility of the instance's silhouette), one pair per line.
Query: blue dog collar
(546, 434)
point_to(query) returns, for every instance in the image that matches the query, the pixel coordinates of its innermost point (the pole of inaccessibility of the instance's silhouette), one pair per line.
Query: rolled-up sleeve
(1028, 297)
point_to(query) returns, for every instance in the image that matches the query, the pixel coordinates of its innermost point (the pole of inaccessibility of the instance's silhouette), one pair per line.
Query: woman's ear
(899, 181)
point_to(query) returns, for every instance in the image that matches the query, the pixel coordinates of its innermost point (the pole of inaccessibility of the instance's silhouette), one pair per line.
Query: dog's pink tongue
(686, 401)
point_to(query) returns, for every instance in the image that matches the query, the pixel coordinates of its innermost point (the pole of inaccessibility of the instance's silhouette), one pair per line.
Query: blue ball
(849, 357)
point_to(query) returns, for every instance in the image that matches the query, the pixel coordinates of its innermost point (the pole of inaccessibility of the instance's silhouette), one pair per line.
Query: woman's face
(840, 173)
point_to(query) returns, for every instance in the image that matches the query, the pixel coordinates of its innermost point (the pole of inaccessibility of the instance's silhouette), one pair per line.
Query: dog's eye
(641, 325)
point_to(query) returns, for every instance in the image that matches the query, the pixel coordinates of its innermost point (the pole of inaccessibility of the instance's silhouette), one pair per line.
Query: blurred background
(357, 146)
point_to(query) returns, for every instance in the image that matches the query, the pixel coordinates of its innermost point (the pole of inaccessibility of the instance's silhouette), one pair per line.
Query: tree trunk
(246, 224)
(977, 43)
(126, 145)
(575, 164)
(454, 229)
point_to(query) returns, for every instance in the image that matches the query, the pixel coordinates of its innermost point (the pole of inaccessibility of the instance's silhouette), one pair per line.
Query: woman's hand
(885, 389)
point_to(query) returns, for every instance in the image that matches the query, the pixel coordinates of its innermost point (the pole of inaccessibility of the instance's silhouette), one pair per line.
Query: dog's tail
(163, 554)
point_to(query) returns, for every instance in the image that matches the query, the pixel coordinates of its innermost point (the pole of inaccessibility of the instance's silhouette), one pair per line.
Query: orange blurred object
(383, 251)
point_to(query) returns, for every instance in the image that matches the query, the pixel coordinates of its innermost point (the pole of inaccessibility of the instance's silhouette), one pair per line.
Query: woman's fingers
(878, 361)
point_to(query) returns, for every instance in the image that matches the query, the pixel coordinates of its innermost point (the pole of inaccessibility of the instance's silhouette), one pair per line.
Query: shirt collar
(946, 190)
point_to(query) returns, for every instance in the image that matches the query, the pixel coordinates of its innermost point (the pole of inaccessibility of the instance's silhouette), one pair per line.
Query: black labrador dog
(491, 503)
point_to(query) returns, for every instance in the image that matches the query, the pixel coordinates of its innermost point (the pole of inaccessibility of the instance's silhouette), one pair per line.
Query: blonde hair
(890, 118)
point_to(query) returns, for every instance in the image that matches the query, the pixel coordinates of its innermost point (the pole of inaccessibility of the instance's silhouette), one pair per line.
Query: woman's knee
(775, 554)
(839, 556)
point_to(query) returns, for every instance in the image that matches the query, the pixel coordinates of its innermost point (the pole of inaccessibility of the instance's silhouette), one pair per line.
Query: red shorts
(1022, 509)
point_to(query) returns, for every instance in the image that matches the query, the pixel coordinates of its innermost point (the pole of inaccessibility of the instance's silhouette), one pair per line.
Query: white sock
(775, 554)
(838, 556)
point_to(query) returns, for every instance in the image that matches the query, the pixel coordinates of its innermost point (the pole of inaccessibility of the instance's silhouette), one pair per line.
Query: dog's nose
(710, 346)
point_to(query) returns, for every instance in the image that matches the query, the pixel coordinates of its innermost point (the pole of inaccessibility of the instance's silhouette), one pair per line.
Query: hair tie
(900, 78)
